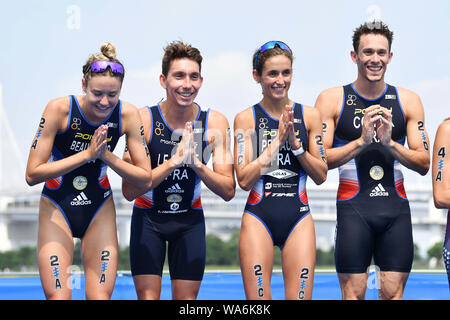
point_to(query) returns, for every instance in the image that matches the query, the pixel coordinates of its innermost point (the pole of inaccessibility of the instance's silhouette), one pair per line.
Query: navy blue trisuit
(446, 248)
(278, 199)
(373, 213)
(171, 212)
(80, 194)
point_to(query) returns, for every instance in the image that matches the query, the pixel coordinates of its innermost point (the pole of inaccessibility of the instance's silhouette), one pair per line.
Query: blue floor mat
(220, 286)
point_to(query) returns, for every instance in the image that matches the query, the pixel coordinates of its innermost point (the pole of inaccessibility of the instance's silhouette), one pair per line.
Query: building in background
(19, 205)
(19, 217)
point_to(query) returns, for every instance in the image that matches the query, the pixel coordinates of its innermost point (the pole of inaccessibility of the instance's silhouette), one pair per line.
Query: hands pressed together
(185, 150)
(99, 143)
(377, 124)
(286, 129)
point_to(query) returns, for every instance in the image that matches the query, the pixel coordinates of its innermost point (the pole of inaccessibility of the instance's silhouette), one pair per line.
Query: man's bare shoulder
(217, 120)
(332, 92)
(310, 111)
(406, 95)
(329, 101)
(331, 95)
(410, 102)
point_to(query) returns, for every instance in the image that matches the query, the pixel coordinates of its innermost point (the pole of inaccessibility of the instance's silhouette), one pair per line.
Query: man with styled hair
(366, 124)
(181, 137)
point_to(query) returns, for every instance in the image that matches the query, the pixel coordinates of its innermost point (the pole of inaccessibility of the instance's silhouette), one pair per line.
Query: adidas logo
(175, 189)
(80, 200)
(379, 191)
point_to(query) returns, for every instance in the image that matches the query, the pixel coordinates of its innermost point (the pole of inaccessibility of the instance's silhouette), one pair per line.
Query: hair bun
(108, 50)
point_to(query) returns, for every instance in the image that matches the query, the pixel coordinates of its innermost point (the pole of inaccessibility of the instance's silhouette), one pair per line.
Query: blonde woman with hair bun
(71, 151)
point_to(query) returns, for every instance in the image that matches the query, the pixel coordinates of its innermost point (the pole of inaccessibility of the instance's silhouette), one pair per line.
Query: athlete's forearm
(222, 185)
(135, 175)
(418, 161)
(161, 172)
(130, 192)
(341, 155)
(442, 197)
(247, 175)
(315, 168)
(54, 169)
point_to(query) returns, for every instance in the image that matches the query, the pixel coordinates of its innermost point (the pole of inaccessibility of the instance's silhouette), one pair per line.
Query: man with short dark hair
(366, 124)
(181, 138)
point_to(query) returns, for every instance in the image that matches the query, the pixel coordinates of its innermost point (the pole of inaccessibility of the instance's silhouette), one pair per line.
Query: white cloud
(437, 108)
(141, 86)
(433, 93)
(228, 85)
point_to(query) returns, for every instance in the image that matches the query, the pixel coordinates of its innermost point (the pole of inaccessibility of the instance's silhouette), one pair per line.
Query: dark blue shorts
(383, 233)
(185, 236)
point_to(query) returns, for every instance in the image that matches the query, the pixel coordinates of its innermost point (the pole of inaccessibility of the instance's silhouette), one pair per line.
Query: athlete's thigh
(353, 285)
(392, 285)
(100, 253)
(148, 286)
(55, 251)
(187, 259)
(256, 258)
(147, 245)
(299, 257)
(185, 289)
(394, 248)
(354, 241)
(187, 251)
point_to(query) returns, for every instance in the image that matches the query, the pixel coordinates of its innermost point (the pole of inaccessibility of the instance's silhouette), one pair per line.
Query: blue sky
(45, 43)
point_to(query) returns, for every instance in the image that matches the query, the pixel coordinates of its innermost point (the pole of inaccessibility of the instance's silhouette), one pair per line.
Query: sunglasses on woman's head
(101, 66)
(270, 45)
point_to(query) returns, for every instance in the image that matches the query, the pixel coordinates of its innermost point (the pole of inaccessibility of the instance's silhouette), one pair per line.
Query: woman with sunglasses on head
(70, 153)
(441, 182)
(278, 143)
